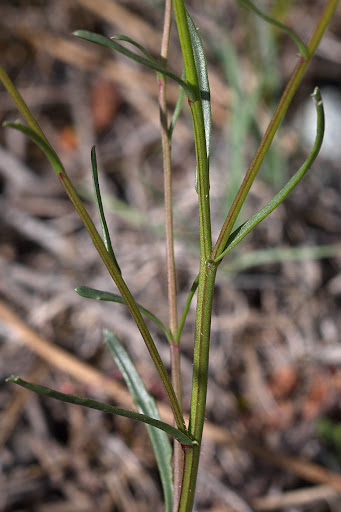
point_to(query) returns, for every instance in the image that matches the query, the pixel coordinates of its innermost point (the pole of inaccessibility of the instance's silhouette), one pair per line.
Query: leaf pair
(148, 412)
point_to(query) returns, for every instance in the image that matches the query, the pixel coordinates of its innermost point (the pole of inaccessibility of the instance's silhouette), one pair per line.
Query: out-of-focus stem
(169, 232)
(166, 153)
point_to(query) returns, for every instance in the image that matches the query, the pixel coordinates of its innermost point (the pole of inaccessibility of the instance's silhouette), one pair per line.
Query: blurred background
(273, 437)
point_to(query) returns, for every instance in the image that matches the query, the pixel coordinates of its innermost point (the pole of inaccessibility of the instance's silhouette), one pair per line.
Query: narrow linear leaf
(146, 405)
(120, 37)
(186, 308)
(113, 45)
(238, 235)
(201, 68)
(41, 143)
(99, 406)
(104, 226)
(299, 43)
(92, 293)
(178, 107)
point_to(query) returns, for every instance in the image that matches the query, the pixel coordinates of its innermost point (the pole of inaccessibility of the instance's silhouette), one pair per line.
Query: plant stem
(199, 385)
(21, 104)
(167, 167)
(276, 120)
(199, 132)
(207, 271)
(114, 271)
(128, 298)
(169, 232)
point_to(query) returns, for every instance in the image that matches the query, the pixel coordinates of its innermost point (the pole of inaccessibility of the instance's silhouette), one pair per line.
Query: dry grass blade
(295, 498)
(307, 470)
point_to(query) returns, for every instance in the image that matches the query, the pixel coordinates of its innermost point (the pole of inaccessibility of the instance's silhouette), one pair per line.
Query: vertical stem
(208, 271)
(199, 132)
(167, 166)
(199, 385)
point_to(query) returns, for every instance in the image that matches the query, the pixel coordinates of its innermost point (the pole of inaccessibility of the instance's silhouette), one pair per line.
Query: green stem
(167, 165)
(199, 131)
(238, 235)
(276, 120)
(199, 385)
(36, 134)
(169, 232)
(128, 298)
(20, 103)
(207, 270)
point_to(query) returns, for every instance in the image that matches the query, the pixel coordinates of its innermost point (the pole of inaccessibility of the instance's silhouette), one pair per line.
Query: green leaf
(146, 405)
(178, 107)
(238, 235)
(99, 406)
(299, 43)
(120, 37)
(92, 293)
(104, 226)
(201, 67)
(41, 143)
(186, 308)
(113, 45)
(204, 86)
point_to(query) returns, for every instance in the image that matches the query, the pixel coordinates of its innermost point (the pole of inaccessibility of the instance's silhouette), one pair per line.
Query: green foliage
(194, 82)
(238, 235)
(149, 62)
(99, 406)
(100, 209)
(300, 45)
(91, 293)
(330, 432)
(146, 405)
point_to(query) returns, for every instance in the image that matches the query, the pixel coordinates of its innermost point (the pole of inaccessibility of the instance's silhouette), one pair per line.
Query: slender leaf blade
(99, 406)
(186, 308)
(146, 405)
(113, 45)
(201, 68)
(120, 37)
(299, 43)
(92, 293)
(178, 108)
(238, 235)
(104, 226)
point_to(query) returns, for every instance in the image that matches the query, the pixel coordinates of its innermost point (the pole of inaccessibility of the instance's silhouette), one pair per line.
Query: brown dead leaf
(105, 101)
